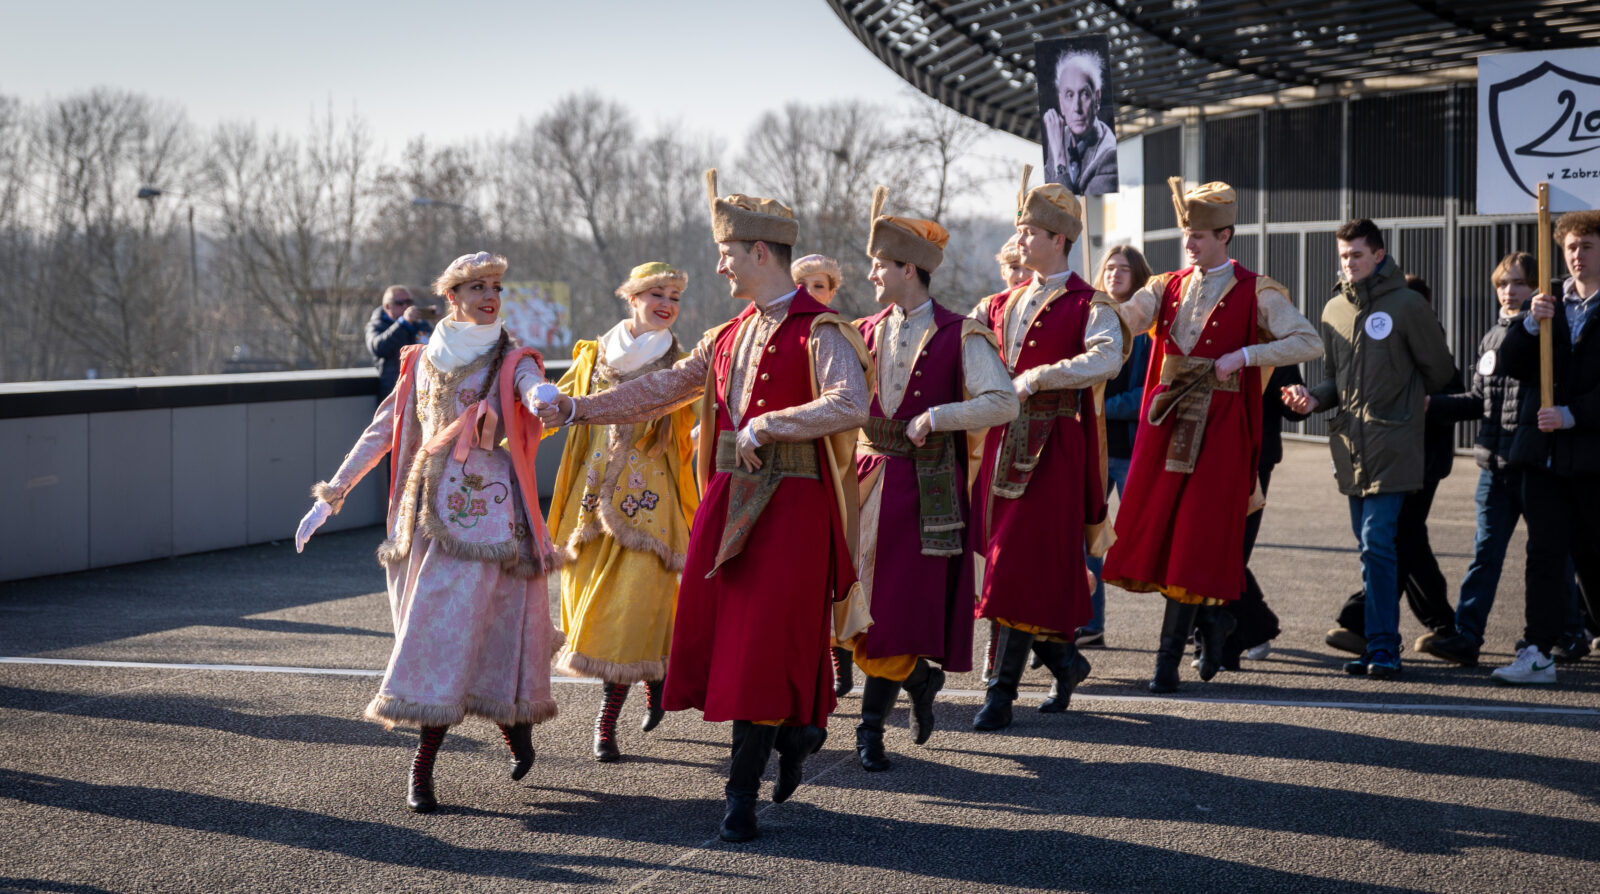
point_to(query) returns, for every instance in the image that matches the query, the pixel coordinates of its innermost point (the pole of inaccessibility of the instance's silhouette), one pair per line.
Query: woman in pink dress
(467, 553)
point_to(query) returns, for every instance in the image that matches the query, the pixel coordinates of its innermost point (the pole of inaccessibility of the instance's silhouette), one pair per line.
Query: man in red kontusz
(771, 546)
(1213, 325)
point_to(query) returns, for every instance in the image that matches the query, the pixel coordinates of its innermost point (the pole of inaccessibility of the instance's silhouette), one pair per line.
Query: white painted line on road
(1397, 707)
(249, 668)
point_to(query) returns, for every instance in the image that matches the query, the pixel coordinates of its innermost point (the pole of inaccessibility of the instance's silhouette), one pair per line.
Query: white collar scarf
(454, 345)
(625, 353)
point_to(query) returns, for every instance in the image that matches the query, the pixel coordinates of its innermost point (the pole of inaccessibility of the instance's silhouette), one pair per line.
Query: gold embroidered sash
(1026, 437)
(750, 492)
(1190, 383)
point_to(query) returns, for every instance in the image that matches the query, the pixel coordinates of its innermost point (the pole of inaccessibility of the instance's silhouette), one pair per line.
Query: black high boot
(1069, 668)
(605, 724)
(877, 700)
(519, 738)
(1213, 624)
(752, 745)
(652, 697)
(794, 745)
(1175, 627)
(923, 684)
(844, 679)
(1011, 655)
(419, 789)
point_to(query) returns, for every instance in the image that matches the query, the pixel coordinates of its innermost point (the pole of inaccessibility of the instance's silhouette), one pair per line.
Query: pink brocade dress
(470, 605)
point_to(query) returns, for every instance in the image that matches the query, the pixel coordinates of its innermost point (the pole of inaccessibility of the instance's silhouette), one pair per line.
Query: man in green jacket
(1383, 353)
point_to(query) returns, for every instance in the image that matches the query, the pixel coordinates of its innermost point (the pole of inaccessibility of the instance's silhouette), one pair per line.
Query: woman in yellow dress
(624, 499)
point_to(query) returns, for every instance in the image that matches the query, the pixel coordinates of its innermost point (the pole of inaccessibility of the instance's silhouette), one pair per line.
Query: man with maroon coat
(772, 543)
(938, 376)
(1213, 326)
(1040, 493)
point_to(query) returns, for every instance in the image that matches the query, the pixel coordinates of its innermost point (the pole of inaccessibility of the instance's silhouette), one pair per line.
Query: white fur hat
(468, 268)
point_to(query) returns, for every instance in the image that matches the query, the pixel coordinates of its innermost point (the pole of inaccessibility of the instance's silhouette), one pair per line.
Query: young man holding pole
(1558, 446)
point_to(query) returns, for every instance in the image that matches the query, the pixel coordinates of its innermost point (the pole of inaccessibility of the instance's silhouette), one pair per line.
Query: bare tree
(425, 214)
(291, 219)
(121, 261)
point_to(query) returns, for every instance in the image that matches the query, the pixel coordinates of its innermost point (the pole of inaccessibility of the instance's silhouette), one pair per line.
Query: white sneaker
(1530, 667)
(1259, 652)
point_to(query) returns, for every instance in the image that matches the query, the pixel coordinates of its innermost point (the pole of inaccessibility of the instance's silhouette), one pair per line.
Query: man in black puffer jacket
(1558, 447)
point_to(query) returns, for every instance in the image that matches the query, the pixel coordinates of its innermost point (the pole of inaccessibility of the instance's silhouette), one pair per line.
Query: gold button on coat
(765, 377)
(761, 403)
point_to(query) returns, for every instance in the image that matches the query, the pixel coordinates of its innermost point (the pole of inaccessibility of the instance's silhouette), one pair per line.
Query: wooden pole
(1547, 385)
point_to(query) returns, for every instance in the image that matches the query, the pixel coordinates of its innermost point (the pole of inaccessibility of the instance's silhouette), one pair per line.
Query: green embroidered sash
(750, 492)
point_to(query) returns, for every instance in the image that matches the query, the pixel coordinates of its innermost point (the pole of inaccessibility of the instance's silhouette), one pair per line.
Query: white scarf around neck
(454, 345)
(624, 352)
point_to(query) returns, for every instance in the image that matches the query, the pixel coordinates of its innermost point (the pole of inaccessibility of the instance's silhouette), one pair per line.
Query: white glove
(546, 393)
(320, 511)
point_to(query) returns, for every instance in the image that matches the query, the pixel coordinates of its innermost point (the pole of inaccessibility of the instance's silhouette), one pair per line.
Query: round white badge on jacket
(1486, 363)
(1379, 325)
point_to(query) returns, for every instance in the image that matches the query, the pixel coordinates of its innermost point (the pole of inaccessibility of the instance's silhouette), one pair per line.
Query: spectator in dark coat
(394, 325)
(1493, 401)
(1558, 448)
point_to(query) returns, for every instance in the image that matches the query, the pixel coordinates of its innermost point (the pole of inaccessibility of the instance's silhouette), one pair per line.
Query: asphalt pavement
(195, 724)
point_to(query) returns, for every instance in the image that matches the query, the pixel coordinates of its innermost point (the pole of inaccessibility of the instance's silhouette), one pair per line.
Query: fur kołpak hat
(907, 240)
(647, 276)
(468, 268)
(1209, 206)
(1049, 206)
(812, 264)
(739, 218)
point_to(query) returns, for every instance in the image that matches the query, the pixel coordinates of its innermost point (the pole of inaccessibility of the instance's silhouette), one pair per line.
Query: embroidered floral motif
(635, 481)
(593, 478)
(519, 530)
(649, 499)
(630, 505)
(590, 501)
(470, 502)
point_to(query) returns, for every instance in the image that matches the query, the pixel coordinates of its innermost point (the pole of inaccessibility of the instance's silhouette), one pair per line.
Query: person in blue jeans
(1383, 353)
(1123, 271)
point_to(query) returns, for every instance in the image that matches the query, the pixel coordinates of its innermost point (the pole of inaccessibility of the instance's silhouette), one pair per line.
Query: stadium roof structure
(976, 56)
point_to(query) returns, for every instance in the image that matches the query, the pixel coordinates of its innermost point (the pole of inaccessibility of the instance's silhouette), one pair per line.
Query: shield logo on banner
(1556, 115)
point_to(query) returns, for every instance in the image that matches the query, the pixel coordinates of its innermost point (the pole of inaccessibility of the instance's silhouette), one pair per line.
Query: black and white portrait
(1076, 110)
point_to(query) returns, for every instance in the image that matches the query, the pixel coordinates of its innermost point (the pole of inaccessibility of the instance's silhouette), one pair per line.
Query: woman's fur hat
(648, 275)
(468, 268)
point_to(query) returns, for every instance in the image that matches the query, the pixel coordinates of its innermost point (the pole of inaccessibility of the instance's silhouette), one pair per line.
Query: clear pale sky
(409, 68)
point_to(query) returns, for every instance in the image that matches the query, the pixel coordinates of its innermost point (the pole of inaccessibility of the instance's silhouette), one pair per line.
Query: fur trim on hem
(509, 713)
(392, 712)
(325, 492)
(577, 664)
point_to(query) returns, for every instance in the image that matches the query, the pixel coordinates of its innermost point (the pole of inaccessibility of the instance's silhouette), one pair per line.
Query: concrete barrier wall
(109, 471)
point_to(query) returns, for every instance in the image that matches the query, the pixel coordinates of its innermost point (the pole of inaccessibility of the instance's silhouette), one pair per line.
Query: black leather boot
(1069, 668)
(1011, 655)
(1175, 627)
(844, 679)
(519, 738)
(605, 723)
(1213, 624)
(877, 700)
(923, 685)
(652, 695)
(794, 744)
(419, 789)
(752, 745)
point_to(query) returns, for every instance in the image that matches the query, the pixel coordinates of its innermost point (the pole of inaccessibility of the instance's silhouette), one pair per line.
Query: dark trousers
(1256, 622)
(1421, 582)
(1563, 516)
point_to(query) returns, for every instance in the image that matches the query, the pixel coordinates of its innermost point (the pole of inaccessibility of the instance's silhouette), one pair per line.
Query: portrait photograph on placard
(1077, 106)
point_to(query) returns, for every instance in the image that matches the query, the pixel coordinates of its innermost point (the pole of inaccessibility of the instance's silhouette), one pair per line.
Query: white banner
(1539, 119)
